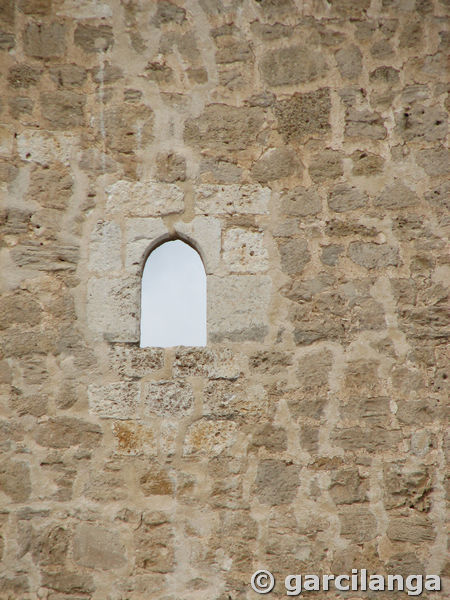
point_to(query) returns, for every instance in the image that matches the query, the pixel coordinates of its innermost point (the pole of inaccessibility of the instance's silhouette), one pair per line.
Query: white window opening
(173, 297)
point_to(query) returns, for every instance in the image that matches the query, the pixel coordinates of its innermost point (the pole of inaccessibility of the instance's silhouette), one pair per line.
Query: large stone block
(205, 233)
(140, 235)
(44, 40)
(173, 399)
(113, 308)
(294, 255)
(276, 163)
(64, 432)
(231, 199)
(128, 360)
(345, 197)
(395, 196)
(93, 39)
(209, 438)
(222, 128)
(304, 115)
(238, 307)
(373, 256)
(144, 199)
(244, 251)
(98, 548)
(15, 480)
(63, 110)
(358, 523)
(44, 147)
(105, 247)
(276, 482)
(301, 202)
(115, 400)
(292, 65)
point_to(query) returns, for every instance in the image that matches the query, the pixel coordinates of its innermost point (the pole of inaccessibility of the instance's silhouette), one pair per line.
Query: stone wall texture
(300, 145)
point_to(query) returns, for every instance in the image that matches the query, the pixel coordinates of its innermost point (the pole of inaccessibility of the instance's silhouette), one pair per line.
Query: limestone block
(414, 528)
(244, 251)
(210, 438)
(294, 255)
(44, 40)
(63, 110)
(349, 61)
(326, 165)
(276, 482)
(15, 480)
(128, 360)
(205, 233)
(115, 400)
(167, 398)
(113, 308)
(64, 432)
(222, 128)
(134, 439)
(93, 39)
(98, 548)
(301, 202)
(304, 115)
(357, 523)
(238, 307)
(345, 197)
(144, 199)
(105, 247)
(140, 235)
(435, 161)
(227, 399)
(44, 147)
(397, 195)
(292, 65)
(275, 164)
(154, 543)
(373, 256)
(363, 123)
(224, 364)
(231, 199)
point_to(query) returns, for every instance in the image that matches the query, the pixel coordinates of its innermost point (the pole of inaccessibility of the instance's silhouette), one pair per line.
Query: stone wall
(300, 145)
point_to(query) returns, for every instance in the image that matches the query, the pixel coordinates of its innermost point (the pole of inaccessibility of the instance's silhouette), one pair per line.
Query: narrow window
(173, 300)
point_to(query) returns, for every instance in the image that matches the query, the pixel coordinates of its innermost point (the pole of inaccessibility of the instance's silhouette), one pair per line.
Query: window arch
(173, 297)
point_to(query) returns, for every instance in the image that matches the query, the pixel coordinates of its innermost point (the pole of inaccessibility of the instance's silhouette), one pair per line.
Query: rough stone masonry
(300, 145)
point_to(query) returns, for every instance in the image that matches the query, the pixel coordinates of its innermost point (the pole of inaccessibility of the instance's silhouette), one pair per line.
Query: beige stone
(144, 199)
(115, 401)
(244, 251)
(210, 438)
(98, 548)
(167, 398)
(231, 199)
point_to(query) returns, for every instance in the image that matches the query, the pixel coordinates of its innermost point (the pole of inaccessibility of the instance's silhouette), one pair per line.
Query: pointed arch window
(173, 297)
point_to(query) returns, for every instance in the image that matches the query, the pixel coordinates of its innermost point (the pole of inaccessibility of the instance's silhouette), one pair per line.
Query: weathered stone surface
(304, 115)
(105, 247)
(347, 487)
(171, 167)
(156, 482)
(63, 432)
(48, 256)
(414, 528)
(231, 199)
(205, 234)
(223, 128)
(419, 122)
(23, 76)
(373, 256)
(112, 308)
(358, 524)
(349, 61)
(115, 401)
(45, 40)
(154, 542)
(98, 548)
(366, 163)
(276, 482)
(134, 439)
(363, 123)
(434, 161)
(15, 480)
(407, 486)
(326, 165)
(93, 39)
(51, 188)
(276, 164)
(209, 437)
(68, 76)
(397, 195)
(167, 398)
(292, 65)
(67, 582)
(63, 110)
(301, 202)
(373, 439)
(127, 360)
(344, 197)
(229, 400)
(294, 255)
(244, 251)
(144, 199)
(237, 308)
